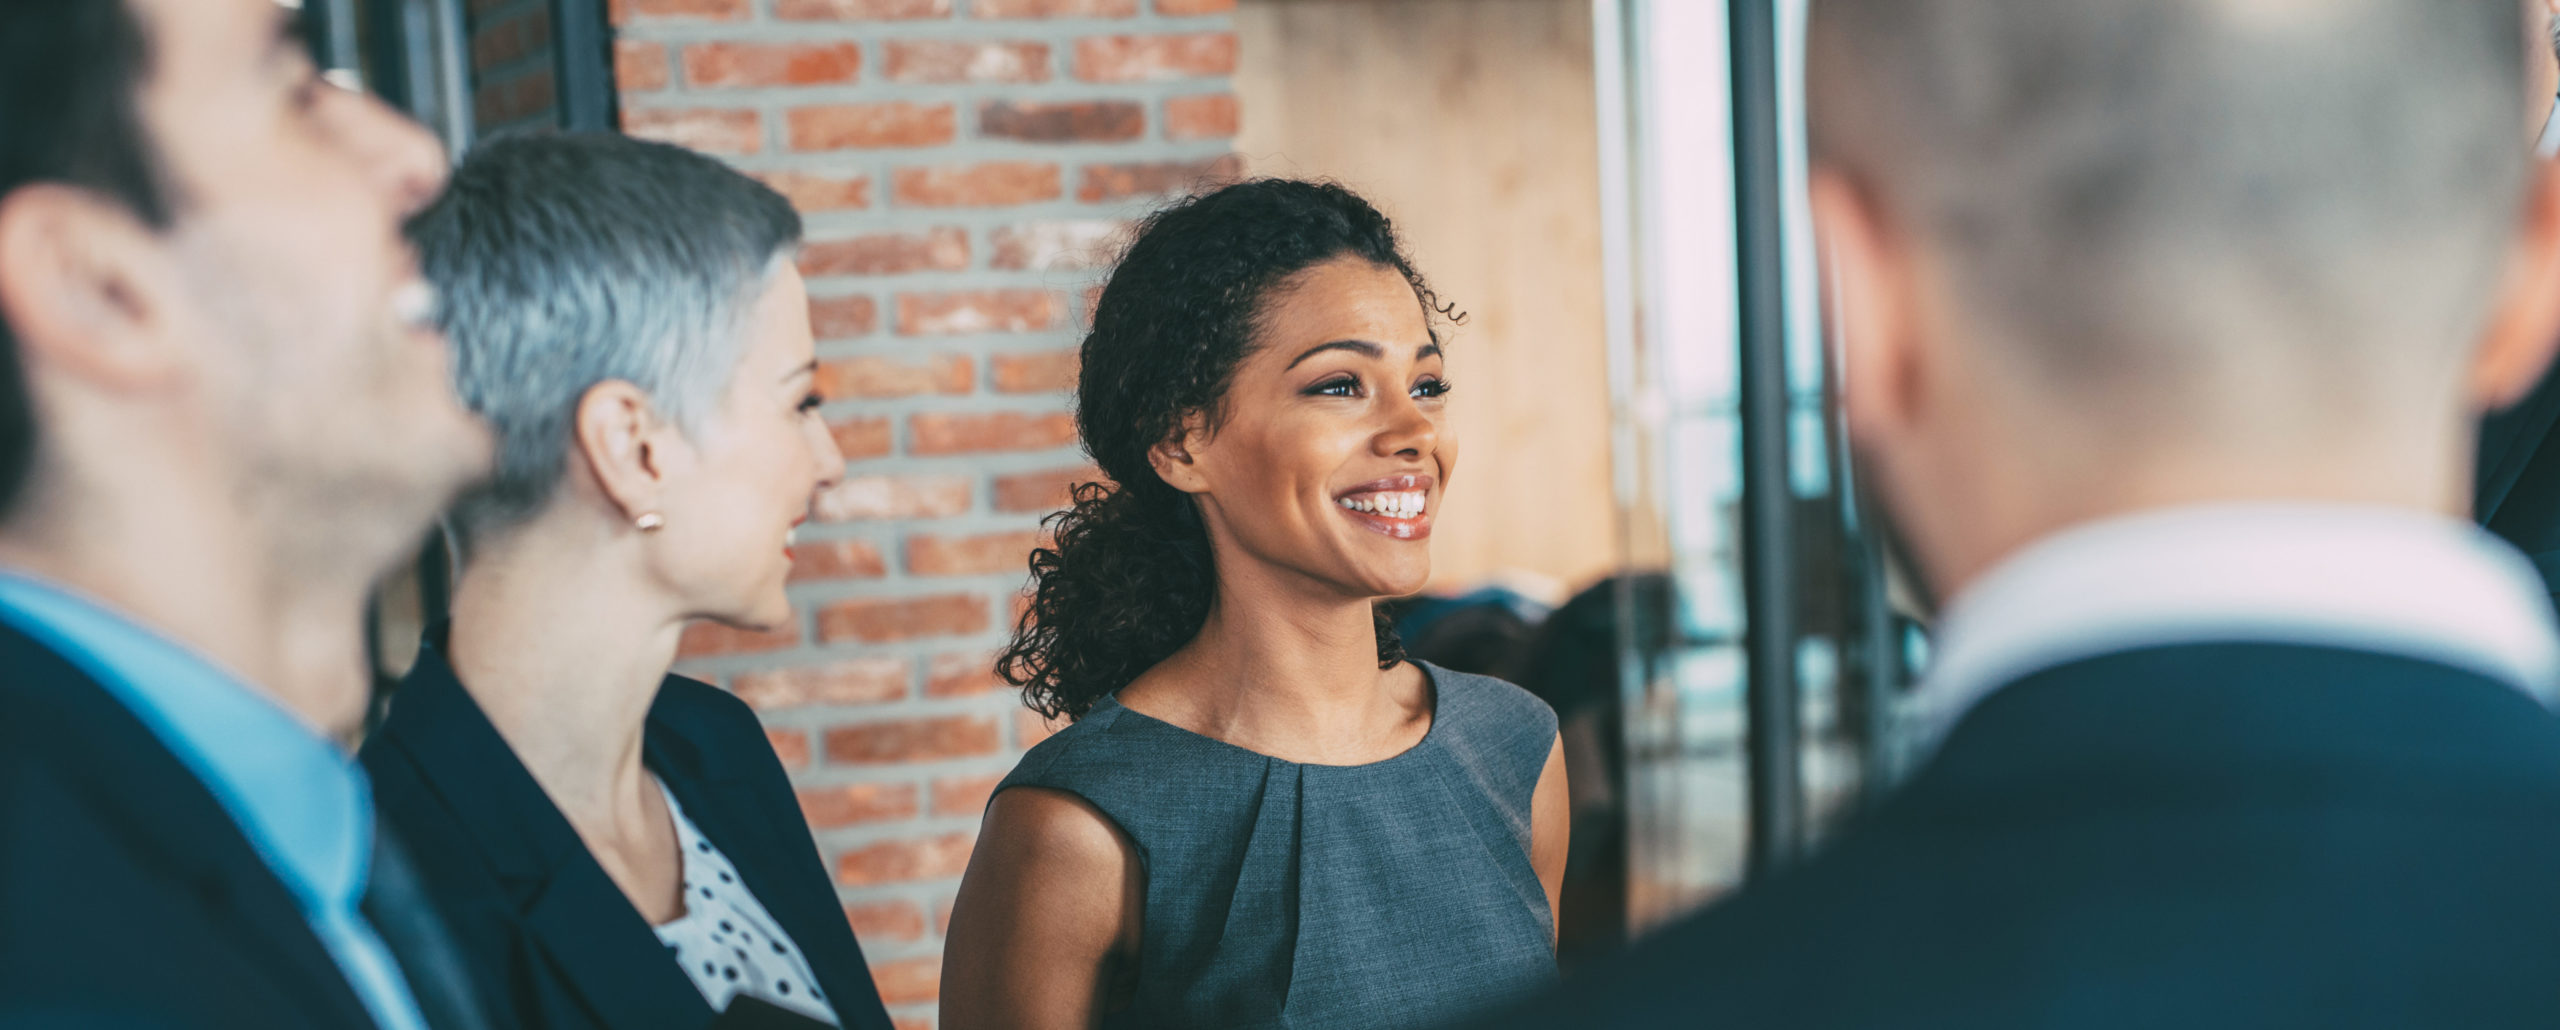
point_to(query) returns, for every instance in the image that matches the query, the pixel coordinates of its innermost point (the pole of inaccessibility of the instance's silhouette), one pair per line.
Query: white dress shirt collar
(2370, 578)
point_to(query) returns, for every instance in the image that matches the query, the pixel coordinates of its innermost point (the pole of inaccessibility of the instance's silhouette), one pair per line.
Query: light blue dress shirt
(303, 803)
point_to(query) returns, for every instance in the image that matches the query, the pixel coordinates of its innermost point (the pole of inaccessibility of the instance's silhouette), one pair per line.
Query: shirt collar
(298, 798)
(2364, 577)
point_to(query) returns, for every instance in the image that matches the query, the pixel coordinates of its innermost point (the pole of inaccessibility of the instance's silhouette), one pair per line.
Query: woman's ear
(1177, 459)
(627, 446)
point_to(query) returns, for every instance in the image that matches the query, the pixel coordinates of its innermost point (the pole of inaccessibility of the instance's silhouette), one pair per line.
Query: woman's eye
(810, 403)
(1431, 388)
(1338, 386)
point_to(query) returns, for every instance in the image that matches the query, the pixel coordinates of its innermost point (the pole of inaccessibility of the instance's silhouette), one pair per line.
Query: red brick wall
(965, 166)
(511, 65)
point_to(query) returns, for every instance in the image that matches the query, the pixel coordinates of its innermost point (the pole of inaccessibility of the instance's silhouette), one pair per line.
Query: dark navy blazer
(2517, 491)
(128, 897)
(551, 940)
(2232, 835)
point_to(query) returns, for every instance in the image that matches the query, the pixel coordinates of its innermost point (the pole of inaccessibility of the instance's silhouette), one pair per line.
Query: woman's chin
(770, 615)
(1390, 584)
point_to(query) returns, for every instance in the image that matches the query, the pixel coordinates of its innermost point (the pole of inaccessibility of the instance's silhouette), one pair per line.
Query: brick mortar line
(833, 224)
(838, 838)
(811, 652)
(918, 771)
(772, 29)
(1014, 463)
(957, 526)
(1023, 345)
(870, 89)
(980, 402)
(828, 592)
(865, 775)
(822, 716)
(981, 645)
(815, 720)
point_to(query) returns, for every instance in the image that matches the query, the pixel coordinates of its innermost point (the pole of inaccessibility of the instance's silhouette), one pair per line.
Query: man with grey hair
(2166, 327)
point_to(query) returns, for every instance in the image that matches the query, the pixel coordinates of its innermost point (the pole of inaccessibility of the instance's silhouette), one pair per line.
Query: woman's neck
(1289, 672)
(566, 655)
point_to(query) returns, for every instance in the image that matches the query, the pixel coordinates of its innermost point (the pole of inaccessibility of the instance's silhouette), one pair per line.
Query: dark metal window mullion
(582, 64)
(1774, 734)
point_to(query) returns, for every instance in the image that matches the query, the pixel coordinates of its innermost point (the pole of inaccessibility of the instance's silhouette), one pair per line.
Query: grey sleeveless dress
(1393, 894)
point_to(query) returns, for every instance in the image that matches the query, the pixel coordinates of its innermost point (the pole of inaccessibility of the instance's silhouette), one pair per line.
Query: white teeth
(1405, 505)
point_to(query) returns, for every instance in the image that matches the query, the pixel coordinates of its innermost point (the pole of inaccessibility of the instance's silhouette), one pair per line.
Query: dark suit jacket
(2517, 493)
(128, 897)
(549, 938)
(2202, 836)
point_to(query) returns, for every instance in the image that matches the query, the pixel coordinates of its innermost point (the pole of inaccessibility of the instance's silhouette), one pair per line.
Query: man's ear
(2524, 327)
(1868, 277)
(1177, 459)
(627, 446)
(87, 289)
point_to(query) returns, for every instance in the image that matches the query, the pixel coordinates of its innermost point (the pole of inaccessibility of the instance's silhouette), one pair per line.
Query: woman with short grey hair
(612, 845)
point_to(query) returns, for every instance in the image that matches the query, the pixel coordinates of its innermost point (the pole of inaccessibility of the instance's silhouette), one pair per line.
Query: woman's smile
(1397, 506)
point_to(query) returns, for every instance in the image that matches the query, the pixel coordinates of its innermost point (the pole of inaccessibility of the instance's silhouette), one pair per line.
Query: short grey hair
(2143, 192)
(568, 260)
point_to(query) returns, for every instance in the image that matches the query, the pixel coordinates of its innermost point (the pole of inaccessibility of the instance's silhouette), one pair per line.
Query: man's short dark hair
(71, 73)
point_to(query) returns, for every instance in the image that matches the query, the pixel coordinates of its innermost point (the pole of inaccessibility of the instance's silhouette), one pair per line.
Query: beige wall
(1470, 122)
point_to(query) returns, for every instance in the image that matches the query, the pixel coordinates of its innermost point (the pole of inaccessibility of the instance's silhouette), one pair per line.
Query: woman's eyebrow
(1363, 346)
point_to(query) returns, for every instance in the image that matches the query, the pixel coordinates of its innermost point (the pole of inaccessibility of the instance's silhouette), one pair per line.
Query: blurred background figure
(224, 415)
(615, 846)
(2165, 328)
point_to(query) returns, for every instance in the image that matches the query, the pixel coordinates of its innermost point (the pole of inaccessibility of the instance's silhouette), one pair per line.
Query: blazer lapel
(172, 816)
(768, 843)
(606, 953)
(609, 955)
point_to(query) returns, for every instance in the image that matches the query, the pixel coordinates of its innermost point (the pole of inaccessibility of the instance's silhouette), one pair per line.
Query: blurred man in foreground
(2167, 324)
(223, 414)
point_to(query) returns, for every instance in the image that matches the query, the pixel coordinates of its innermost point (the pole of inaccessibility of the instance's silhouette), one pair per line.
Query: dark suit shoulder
(2227, 835)
(109, 848)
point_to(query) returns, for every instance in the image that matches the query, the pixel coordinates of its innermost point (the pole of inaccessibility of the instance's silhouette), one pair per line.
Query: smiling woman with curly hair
(1263, 815)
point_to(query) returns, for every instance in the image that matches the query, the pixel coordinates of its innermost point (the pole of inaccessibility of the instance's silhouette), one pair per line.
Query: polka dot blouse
(727, 942)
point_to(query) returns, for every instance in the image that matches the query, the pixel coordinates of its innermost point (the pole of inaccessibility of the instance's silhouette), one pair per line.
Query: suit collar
(136, 784)
(606, 952)
(2367, 577)
(2234, 724)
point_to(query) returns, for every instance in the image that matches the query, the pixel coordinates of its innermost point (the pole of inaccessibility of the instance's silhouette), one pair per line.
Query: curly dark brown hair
(1129, 578)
